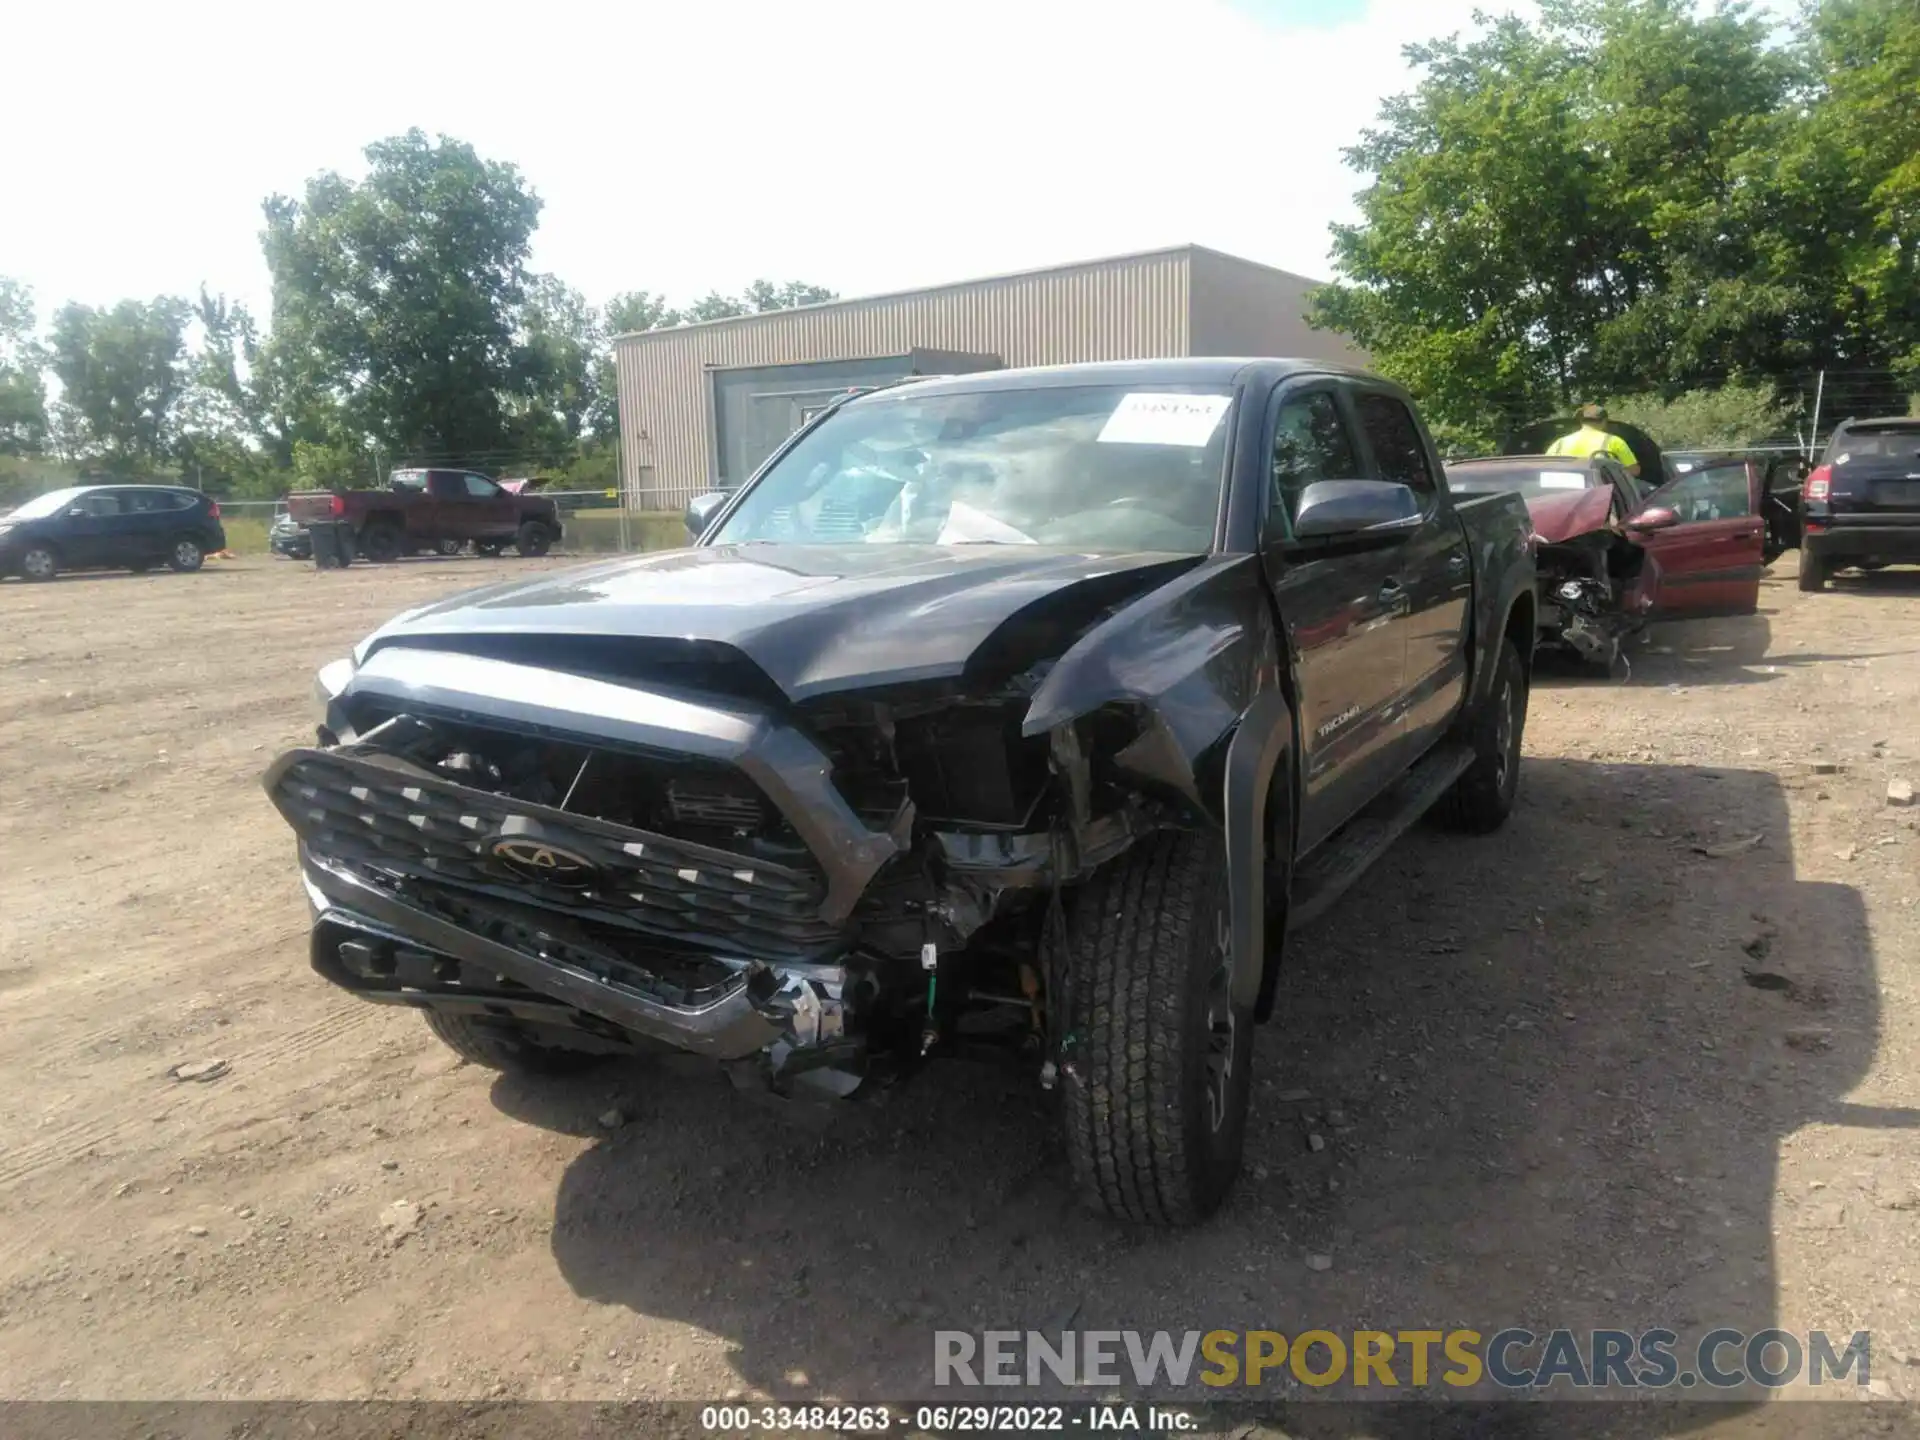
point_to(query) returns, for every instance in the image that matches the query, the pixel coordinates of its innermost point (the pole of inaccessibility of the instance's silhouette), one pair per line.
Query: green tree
(121, 374)
(397, 298)
(1548, 214)
(558, 362)
(1853, 173)
(23, 390)
(636, 310)
(1725, 418)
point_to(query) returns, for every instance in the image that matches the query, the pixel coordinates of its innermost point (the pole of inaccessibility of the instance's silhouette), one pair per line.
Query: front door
(489, 513)
(1709, 559)
(89, 531)
(1434, 568)
(1343, 615)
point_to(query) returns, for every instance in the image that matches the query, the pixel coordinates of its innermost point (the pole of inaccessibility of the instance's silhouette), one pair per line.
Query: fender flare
(1262, 742)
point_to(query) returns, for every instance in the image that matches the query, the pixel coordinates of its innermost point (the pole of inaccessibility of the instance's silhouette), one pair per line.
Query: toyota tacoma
(1029, 708)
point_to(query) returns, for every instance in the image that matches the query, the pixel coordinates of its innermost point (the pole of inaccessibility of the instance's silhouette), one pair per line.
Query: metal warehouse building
(702, 405)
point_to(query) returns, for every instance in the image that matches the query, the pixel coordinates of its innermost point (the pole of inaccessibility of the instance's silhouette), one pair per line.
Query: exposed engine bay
(1589, 594)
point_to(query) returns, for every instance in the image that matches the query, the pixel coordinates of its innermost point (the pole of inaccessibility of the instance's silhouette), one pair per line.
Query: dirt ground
(1577, 1073)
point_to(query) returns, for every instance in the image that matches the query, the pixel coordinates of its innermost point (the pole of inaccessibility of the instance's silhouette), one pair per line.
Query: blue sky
(863, 144)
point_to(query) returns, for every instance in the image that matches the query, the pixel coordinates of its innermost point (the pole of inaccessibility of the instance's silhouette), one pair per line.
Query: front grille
(697, 805)
(391, 817)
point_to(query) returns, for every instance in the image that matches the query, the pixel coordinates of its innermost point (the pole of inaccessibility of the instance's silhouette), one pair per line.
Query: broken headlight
(329, 683)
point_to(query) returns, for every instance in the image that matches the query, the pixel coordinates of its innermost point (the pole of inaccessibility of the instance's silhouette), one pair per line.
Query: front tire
(447, 547)
(1482, 798)
(533, 539)
(1813, 572)
(1156, 1057)
(185, 555)
(39, 563)
(516, 1049)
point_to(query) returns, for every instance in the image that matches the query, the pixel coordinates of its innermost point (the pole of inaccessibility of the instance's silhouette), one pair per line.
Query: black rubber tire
(1813, 573)
(487, 548)
(516, 1049)
(1481, 799)
(1149, 979)
(39, 570)
(185, 556)
(533, 539)
(382, 542)
(448, 546)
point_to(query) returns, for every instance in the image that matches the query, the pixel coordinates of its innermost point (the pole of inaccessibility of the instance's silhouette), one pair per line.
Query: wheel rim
(37, 563)
(1220, 1024)
(186, 554)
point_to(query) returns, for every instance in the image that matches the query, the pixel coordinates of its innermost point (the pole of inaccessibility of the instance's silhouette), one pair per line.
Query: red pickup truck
(434, 510)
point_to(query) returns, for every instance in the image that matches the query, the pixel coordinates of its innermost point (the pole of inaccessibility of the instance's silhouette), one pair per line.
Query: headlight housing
(329, 683)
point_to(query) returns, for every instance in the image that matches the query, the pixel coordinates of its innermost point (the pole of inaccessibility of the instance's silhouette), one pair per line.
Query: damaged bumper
(447, 887)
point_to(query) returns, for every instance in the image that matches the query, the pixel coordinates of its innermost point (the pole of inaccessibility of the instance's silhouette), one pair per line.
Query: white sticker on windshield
(1146, 419)
(1562, 480)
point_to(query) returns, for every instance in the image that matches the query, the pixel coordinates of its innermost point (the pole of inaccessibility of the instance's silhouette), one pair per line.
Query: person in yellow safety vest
(1590, 439)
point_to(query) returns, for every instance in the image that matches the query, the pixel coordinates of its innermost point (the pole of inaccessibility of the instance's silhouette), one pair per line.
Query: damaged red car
(1615, 550)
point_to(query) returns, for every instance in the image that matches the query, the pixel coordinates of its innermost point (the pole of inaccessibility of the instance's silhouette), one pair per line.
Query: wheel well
(1520, 627)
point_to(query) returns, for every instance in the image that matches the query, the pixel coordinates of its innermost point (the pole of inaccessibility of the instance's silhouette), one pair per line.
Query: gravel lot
(1578, 1073)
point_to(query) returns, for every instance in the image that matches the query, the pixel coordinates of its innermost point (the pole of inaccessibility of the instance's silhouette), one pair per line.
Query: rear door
(1433, 569)
(1340, 613)
(153, 517)
(1709, 561)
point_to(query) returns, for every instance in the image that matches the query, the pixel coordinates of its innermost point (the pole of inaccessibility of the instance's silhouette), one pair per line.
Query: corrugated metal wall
(1134, 307)
(1241, 308)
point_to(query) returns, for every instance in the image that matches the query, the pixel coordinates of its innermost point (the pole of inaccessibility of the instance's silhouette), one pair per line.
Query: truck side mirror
(700, 512)
(1330, 508)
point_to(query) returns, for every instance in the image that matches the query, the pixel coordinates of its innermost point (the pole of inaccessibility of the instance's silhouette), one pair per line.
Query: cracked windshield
(1084, 468)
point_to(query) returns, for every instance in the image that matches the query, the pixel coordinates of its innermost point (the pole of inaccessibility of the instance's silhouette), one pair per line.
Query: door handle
(1457, 561)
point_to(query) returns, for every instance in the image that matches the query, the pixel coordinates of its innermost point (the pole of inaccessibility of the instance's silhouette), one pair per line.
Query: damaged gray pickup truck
(1028, 708)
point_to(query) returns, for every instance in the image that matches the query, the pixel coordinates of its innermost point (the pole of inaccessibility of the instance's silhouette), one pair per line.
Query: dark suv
(1861, 505)
(95, 527)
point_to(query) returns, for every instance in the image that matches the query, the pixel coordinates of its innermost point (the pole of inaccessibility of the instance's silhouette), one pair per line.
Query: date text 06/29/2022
(1378, 1362)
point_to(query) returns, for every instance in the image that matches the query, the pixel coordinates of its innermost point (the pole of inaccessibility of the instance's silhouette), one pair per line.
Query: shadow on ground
(1546, 1093)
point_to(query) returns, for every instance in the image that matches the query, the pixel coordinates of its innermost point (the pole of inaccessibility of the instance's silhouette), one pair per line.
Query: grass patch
(246, 534)
(597, 532)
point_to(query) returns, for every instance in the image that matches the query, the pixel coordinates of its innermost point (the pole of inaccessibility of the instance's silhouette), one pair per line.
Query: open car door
(1704, 535)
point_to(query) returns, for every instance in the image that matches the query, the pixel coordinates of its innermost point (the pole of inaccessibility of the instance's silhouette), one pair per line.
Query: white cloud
(863, 144)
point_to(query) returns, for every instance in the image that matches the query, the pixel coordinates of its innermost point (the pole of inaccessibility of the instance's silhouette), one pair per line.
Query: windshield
(1083, 467)
(1516, 480)
(41, 506)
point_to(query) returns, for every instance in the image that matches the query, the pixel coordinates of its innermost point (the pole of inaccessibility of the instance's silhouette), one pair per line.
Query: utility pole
(1819, 393)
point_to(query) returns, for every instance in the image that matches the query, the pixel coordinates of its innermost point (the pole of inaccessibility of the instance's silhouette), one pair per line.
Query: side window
(1396, 442)
(99, 503)
(153, 502)
(1310, 442)
(408, 482)
(445, 486)
(481, 488)
(1717, 493)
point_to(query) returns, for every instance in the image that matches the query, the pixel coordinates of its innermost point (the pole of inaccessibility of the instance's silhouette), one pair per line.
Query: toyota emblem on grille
(539, 860)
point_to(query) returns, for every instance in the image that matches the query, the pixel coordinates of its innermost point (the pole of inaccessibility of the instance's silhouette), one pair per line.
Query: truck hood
(814, 619)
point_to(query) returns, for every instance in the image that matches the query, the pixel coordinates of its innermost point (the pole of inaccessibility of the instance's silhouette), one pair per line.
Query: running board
(1323, 877)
